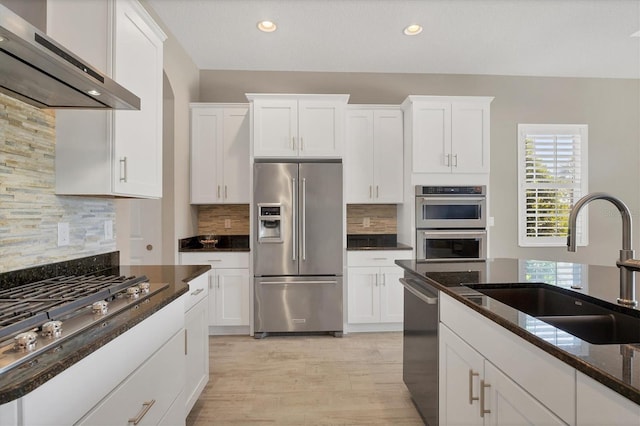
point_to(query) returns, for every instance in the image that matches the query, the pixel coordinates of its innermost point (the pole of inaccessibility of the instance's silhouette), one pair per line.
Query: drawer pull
(197, 292)
(483, 386)
(146, 406)
(214, 260)
(379, 258)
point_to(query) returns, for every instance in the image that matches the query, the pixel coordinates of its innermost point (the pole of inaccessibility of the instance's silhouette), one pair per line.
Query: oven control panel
(451, 190)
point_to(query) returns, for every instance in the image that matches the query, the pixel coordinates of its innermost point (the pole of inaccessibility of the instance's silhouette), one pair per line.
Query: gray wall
(609, 106)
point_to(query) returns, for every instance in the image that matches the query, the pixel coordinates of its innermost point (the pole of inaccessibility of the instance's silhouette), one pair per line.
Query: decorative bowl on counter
(208, 241)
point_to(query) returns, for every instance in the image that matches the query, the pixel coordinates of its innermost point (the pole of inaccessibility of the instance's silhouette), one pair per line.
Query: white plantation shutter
(552, 176)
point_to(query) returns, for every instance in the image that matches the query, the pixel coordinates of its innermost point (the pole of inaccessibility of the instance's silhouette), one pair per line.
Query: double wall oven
(451, 223)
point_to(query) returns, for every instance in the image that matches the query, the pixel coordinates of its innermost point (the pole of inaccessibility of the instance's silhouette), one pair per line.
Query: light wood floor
(306, 380)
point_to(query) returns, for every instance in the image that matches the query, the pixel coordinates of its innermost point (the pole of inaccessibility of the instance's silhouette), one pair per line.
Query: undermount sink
(590, 319)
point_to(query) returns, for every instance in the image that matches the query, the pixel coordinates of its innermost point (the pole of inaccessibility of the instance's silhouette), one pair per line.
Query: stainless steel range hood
(37, 70)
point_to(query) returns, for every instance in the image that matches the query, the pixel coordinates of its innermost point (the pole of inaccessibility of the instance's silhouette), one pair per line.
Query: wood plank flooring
(306, 380)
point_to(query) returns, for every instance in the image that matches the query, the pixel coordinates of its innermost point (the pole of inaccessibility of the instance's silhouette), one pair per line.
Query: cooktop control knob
(144, 287)
(25, 341)
(133, 291)
(52, 329)
(100, 307)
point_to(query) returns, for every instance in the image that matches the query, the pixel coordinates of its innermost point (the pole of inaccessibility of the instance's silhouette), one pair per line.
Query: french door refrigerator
(298, 249)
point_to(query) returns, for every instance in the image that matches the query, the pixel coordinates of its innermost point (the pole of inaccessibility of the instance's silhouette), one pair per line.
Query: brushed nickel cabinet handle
(483, 386)
(455, 163)
(225, 192)
(218, 196)
(197, 292)
(447, 160)
(377, 191)
(123, 169)
(146, 406)
(471, 376)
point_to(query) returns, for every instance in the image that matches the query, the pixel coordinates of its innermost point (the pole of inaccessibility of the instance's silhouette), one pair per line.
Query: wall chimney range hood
(37, 70)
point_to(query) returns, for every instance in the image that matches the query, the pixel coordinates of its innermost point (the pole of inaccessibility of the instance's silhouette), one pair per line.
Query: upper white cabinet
(297, 126)
(448, 134)
(219, 153)
(112, 153)
(374, 155)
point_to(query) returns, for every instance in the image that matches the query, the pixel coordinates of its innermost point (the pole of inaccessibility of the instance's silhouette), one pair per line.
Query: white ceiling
(569, 38)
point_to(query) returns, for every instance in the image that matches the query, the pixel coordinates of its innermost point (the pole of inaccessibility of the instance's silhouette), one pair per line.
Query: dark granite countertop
(375, 242)
(616, 366)
(225, 243)
(24, 378)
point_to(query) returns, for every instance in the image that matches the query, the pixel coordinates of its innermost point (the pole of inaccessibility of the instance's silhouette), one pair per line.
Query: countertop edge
(595, 373)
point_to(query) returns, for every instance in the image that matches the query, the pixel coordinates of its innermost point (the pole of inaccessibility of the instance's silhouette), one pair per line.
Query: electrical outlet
(108, 230)
(227, 223)
(63, 234)
(366, 222)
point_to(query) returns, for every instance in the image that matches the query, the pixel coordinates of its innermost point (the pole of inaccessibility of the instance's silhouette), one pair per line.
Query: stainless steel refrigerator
(298, 247)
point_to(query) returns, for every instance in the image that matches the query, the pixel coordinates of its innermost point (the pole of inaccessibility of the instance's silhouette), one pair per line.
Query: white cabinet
(196, 328)
(375, 296)
(292, 126)
(448, 134)
(219, 153)
(113, 153)
(474, 392)
(374, 155)
(229, 287)
(599, 405)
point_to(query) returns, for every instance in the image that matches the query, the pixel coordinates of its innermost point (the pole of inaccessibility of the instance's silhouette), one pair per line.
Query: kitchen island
(495, 330)
(130, 344)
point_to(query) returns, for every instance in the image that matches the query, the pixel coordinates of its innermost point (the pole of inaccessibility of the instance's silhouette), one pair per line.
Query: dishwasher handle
(423, 294)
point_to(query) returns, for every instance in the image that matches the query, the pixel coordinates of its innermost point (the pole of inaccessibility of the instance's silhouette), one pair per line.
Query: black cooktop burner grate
(28, 305)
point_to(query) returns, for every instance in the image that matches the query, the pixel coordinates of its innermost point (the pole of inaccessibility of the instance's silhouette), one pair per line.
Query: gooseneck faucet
(626, 263)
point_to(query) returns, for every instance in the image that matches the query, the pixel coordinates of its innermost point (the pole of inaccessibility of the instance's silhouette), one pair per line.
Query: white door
(469, 138)
(206, 134)
(391, 295)
(320, 128)
(235, 155)
(431, 137)
(510, 405)
(275, 128)
(358, 167)
(461, 369)
(232, 297)
(145, 233)
(363, 295)
(388, 156)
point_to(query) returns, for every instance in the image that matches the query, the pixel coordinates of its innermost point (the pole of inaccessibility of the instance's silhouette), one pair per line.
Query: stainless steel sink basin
(590, 319)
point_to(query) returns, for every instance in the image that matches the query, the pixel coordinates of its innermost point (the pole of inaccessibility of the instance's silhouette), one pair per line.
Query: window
(552, 176)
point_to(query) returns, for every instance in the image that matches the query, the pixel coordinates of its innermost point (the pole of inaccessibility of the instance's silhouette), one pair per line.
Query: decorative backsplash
(223, 219)
(380, 218)
(29, 209)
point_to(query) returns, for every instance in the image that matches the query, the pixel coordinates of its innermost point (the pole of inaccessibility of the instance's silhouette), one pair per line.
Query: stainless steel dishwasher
(420, 346)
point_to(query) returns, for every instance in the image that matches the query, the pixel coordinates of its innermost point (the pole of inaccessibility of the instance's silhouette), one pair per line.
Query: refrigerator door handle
(298, 282)
(304, 219)
(294, 217)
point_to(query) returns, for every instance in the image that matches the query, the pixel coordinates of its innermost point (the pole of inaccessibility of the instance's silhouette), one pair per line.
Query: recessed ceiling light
(93, 92)
(267, 26)
(413, 29)
(2, 38)
(636, 34)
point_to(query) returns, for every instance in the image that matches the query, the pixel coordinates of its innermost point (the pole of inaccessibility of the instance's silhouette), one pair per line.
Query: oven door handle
(451, 199)
(428, 298)
(449, 234)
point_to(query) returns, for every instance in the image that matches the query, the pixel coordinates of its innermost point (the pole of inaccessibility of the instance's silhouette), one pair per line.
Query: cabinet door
(196, 324)
(358, 160)
(469, 137)
(137, 65)
(275, 128)
(363, 295)
(206, 132)
(320, 128)
(596, 404)
(510, 405)
(391, 295)
(232, 297)
(461, 369)
(235, 156)
(388, 156)
(432, 137)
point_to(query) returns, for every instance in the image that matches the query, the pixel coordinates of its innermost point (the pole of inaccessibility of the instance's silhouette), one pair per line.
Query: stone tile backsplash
(29, 209)
(382, 219)
(213, 219)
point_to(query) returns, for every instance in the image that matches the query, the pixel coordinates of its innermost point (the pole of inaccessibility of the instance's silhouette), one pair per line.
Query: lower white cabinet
(229, 286)
(196, 328)
(474, 392)
(374, 293)
(599, 405)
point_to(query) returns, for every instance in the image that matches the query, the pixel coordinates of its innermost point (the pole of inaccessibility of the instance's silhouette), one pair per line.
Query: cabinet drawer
(148, 393)
(198, 290)
(376, 257)
(216, 259)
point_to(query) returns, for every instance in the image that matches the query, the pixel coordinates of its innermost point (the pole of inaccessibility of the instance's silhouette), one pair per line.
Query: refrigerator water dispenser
(269, 223)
